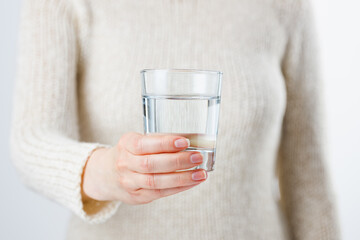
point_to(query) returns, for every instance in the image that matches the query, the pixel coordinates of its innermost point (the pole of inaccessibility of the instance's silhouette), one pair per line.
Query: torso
(243, 39)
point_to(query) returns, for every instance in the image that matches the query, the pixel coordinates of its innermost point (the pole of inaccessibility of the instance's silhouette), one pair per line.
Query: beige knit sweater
(78, 88)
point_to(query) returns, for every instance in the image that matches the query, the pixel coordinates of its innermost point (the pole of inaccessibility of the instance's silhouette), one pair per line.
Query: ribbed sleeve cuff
(53, 166)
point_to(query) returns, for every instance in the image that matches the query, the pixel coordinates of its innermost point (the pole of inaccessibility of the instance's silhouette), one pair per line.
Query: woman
(77, 111)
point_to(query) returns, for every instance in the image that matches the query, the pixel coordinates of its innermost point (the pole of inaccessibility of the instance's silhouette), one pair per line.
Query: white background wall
(339, 31)
(26, 215)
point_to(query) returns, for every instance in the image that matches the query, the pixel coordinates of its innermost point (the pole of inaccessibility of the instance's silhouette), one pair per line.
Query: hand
(141, 169)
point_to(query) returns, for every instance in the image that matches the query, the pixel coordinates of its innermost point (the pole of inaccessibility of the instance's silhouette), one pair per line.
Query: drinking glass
(186, 103)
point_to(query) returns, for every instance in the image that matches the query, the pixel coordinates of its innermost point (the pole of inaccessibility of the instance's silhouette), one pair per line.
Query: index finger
(149, 144)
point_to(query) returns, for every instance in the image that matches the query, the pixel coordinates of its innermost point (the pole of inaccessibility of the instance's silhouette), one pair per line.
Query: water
(194, 117)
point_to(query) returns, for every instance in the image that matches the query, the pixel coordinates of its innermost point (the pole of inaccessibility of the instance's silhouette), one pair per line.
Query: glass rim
(178, 70)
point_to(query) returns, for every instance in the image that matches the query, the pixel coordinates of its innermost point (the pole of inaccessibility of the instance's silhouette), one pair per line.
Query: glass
(184, 103)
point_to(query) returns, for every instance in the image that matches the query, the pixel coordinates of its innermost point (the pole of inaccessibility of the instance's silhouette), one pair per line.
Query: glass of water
(184, 103)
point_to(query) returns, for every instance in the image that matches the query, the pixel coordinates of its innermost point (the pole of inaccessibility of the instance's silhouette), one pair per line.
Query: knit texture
(78, 88)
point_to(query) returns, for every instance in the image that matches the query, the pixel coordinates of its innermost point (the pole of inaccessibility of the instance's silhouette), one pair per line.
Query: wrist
(94, 156)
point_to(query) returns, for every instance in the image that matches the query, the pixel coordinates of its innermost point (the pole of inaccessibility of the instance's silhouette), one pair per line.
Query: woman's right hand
(141, 169)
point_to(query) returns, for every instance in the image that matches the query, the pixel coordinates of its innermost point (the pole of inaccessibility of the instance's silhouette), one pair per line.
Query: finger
(168, 180)
(148, 195)
(150, 144)
(162, 163)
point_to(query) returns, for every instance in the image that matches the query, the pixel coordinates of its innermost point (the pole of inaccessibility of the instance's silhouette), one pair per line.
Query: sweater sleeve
(305, 191)
(45, 144)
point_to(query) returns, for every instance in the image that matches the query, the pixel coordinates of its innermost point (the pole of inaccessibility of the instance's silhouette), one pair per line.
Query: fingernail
(196, 158)
(199, 175)
(181, 143)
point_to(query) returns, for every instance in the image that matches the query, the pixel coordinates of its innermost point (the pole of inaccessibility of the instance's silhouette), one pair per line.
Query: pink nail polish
(196, 158)
(182, 143)
(199, 175)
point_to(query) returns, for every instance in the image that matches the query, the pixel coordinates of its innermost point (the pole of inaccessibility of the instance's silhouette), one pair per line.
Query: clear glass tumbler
(184, 103)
